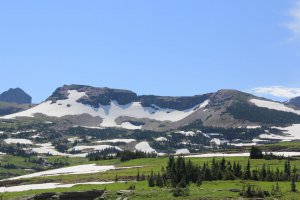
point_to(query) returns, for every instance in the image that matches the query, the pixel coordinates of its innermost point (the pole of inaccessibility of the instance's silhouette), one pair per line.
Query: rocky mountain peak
(15, 95)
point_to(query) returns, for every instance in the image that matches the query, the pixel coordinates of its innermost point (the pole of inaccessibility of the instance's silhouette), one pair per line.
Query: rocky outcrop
(16, 95)
(95, 96)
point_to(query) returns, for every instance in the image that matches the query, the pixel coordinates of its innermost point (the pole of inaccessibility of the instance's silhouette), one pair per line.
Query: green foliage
(256, 153)
(129, 155)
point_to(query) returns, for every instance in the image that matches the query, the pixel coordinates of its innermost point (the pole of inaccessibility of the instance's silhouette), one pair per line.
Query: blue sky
(158, 47)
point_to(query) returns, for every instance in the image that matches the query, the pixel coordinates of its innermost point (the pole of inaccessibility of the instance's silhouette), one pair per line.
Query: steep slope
(16, 95)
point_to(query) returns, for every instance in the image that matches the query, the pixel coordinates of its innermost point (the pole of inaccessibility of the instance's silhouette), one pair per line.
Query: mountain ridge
(125, 109)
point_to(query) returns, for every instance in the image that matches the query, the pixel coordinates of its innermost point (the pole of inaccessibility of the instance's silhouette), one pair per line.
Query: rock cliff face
(16, 95)
(95, 96)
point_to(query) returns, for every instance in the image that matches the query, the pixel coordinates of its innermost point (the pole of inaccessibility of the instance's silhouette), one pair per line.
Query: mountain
(16, 95)
(13, 101)
(295, 101)
(105, 107)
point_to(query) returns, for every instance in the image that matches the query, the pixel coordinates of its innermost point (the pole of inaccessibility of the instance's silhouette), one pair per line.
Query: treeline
(129, 155)
(105, 154)
(112, 153)
(15, 150)
(8, 166)
(180, 172)
(256, 153)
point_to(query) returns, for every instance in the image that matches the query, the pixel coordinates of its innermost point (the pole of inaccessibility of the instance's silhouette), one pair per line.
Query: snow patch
(47, 148)
(244, 144)
(145, 147)
(43, 186)
(293, 131)
(253, 127)
(161, 139)
(182, 151)
(274, 106)
(17, 140)
(129, 126)
(80, 169)
(204, 104)
(186, 133)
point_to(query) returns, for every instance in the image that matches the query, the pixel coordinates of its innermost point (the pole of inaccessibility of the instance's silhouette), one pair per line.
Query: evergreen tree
(247, 172)
(151, 182)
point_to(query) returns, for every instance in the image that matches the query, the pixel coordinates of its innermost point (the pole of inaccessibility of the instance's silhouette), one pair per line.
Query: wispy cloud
(294, 23)
(277, 91)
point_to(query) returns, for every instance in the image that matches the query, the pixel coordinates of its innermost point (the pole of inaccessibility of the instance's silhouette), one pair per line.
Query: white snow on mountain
(145, 147)
(161, 139)
(109, 113)
(273, 105)
(17, 140)
(182, 151)
(186, 133)
(292, 131)
(47, 148)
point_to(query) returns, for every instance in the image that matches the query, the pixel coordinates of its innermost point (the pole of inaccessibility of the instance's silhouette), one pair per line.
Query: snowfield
(79, 169)
(274, 106)
(293, 131)
(186, 133)
(47, 148)
(182, 151)
(17, 140)
(145, 147)
(44, 186)
(109, 113)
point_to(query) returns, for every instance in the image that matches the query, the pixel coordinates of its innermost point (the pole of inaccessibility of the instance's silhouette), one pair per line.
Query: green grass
(209, 190)
(148, 165)
(213, 190)
(282, 146)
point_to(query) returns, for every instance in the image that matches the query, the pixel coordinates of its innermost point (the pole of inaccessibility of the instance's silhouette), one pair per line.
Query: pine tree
(159, 181)
(293, 180)
(151, 182)
(247, 172)
(138, 178)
